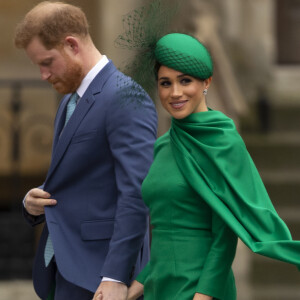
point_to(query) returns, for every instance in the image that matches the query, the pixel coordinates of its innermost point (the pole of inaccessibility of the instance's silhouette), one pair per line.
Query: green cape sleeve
(215, 162)
(216, 278)
(141, 278)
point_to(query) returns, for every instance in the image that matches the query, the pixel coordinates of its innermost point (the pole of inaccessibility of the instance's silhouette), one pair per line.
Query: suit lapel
(64, 135)
(60, 121)
(68, 131)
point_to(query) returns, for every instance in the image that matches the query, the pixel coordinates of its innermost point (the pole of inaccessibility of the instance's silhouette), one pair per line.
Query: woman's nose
(176, 91)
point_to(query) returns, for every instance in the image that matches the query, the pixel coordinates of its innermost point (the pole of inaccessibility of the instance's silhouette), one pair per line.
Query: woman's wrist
(199, 296)
(136, 290)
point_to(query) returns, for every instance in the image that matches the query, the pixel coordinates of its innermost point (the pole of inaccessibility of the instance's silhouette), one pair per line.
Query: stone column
(230, 10)
(110, 26)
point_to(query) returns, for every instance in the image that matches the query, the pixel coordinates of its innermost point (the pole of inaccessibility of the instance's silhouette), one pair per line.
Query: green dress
(203, 191)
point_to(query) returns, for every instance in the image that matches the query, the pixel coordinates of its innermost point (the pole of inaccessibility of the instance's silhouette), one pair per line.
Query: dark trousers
(66, 290)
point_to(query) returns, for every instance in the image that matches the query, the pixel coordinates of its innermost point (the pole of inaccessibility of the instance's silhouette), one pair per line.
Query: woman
(203, 190)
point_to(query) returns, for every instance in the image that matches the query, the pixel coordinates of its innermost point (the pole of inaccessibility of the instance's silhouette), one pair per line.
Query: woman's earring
(205, 92)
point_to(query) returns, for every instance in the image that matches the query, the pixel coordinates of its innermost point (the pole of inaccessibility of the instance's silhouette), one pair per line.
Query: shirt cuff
(110, 279)
(24, 203)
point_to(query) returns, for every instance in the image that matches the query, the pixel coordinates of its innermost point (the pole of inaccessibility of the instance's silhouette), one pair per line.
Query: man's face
(58, 66)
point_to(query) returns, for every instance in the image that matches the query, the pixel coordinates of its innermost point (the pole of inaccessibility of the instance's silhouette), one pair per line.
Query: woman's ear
(207, 82)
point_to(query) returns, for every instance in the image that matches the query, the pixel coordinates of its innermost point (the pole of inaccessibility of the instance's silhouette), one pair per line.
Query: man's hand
(36, 200)
(109, 290)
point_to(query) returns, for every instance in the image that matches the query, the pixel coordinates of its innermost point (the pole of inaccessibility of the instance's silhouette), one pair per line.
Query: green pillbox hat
(184, 53)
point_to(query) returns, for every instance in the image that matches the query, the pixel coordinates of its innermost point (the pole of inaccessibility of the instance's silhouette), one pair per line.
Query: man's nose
(45, 74)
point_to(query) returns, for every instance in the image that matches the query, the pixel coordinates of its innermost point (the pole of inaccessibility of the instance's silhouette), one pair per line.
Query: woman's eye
(165, 83)
(186, 80)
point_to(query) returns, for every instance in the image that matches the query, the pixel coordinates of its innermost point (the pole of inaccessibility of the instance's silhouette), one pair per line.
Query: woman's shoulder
(163, 138)
(162, 141)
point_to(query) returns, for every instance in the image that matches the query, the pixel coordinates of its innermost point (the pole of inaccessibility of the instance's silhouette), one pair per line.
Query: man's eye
(46, 63)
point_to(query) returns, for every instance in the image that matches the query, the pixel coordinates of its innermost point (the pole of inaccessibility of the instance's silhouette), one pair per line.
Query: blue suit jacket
(99, 225)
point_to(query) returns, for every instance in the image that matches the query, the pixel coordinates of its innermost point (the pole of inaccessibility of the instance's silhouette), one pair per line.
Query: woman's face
(181, 94)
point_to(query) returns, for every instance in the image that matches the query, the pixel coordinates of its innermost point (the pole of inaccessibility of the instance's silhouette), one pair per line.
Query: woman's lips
(178, 104)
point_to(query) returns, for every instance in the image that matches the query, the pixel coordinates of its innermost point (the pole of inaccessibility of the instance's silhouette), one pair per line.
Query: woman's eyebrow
(182, 75)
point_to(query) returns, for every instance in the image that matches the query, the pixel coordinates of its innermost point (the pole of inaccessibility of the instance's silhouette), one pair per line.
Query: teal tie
(71, 106)
(49, 252)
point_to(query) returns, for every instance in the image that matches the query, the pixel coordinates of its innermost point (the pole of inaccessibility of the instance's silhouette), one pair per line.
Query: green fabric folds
(214, 160)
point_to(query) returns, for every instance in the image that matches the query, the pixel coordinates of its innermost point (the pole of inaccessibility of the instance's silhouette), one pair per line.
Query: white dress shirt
(89, 77)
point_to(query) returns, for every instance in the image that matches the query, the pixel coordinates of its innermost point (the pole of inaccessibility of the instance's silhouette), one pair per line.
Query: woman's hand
(136, 290)
(199, 296)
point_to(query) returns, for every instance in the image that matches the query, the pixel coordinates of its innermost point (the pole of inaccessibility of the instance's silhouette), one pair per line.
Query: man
(95, 237)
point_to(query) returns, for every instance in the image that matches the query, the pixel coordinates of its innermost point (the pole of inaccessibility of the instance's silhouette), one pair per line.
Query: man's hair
(51, 22)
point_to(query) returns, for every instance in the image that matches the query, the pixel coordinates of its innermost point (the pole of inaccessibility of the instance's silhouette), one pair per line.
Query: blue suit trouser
(66, 290)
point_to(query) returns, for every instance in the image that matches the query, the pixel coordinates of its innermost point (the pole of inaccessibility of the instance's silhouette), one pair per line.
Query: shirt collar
(91, 75)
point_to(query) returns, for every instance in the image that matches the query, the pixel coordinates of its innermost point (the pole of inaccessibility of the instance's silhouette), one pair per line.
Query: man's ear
(72, 44)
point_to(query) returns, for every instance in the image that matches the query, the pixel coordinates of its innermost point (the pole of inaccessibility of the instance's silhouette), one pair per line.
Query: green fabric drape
(214, 160)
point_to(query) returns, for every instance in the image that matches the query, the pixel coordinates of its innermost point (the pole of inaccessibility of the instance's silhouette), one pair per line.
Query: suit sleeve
(32, 220)
(144, 273)
(131, 130)
(217, 268)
